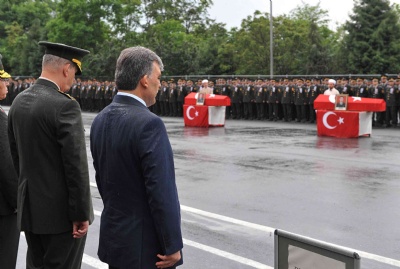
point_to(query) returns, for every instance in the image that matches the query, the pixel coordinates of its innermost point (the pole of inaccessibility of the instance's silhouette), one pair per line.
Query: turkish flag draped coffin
(195, 116)
(353, 103)
(344, 124)
(210, 100)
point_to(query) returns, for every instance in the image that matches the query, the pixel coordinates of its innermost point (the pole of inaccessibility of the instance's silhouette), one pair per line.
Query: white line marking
(97, 213)
(217, 252)
(227, 255)
(96, 263)
(362, 254)
(228, 219)
(267, 229)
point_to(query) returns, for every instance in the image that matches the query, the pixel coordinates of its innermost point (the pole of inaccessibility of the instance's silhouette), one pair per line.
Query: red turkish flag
(327, 102)
(338, 123)
(195, 116)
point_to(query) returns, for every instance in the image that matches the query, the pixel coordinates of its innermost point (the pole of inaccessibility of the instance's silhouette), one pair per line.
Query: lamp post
(271, 42)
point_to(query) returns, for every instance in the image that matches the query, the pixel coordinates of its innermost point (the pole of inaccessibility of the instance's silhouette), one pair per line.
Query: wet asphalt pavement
(276, 175)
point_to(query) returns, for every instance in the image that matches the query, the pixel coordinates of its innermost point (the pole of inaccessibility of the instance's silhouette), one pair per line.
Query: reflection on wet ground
(283, 175)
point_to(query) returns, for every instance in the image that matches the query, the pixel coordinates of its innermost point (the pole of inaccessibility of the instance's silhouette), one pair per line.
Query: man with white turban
(331, 88)
(204, 87)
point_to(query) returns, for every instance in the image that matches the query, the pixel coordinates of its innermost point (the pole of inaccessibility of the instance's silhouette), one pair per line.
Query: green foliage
(189, 42)
(177, 49)
(190, 13)
(22, 25)
(80, 22)
(372, 39)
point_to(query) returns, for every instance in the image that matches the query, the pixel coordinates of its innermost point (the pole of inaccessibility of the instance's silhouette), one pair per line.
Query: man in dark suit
(9, 233)
(47, 143)
(141, 224)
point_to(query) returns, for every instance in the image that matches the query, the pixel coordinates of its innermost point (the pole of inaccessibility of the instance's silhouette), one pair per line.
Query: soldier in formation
(269, 99)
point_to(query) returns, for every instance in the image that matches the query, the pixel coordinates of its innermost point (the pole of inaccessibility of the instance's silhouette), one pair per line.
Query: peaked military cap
(3, 74)
(73, 54)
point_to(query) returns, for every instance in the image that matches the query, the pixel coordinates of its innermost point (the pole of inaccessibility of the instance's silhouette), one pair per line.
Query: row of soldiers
(270, 99)
(286, 99)
(92, 95)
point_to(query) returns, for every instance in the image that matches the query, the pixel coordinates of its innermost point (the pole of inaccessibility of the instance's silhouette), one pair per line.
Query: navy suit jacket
(135, 175)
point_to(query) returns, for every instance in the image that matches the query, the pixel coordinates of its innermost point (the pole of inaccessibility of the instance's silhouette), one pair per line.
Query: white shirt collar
(51, 81)
(133, 96)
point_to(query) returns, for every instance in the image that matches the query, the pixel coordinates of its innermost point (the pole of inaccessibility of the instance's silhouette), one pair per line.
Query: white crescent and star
(325, 120)
(196, 113)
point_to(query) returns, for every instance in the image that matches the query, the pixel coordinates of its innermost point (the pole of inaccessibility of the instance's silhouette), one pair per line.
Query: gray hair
(53, 62)
(132, 64)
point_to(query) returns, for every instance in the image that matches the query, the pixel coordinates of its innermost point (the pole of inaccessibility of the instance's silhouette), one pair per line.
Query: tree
(209, 45)
(251, 45)
(290, 45)
(177, 49)
(191, 13)
(23, 25)
(79, 22)
(372, 42)
(318, 50)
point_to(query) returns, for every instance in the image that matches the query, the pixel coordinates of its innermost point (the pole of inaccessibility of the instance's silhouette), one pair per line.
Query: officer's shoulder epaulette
(66, 94)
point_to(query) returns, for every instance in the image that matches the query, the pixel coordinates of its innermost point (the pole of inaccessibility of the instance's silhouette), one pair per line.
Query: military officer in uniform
(259, 99)
(181, 92)
(248, 100)
(76, 90)
(107, 94)
(164, 99)
(17, 89)
(345, 87)
(217, 87)
(99, 96)
(47, 143)
(287, 100)
(114, 90)
(189, 87)
(360, 90)
(236, 100)
(377, 92)
(391, 97)
(83, 95)
(307, 93)
(339, 85)
(226, 91)
(273, 101)
(313, 94)
(265, 87)
(91, 92)
(172, 99)
(299, 100)
(384, 81)
(9, 233)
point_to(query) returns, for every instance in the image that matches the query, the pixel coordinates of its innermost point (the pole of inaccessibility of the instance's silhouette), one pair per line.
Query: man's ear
(66, 69)
(144, 81)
